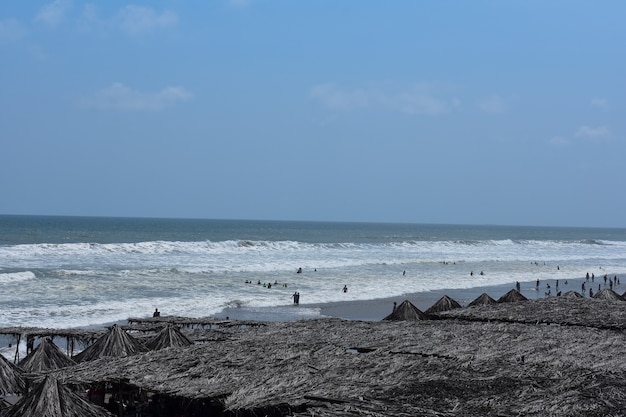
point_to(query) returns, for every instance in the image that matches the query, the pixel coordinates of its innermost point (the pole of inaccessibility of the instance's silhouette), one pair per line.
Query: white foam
(12, 277)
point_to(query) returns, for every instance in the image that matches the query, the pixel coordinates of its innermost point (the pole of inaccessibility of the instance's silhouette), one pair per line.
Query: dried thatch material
(406, 311)
(169, 336)
(11, 378)
(482, 300)
(46, 357)
(512, 296)
(116, 342)
(51, 399)
(573, 294)
(445, 303)
(608, 294)
(331, 367)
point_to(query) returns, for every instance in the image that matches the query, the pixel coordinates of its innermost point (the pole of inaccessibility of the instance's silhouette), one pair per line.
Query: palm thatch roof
(573, 294)
(406, 311)
(51, 399)
(169, 336)
(46, 357)
(116, 342)
(482, 300)
(445, 303)
(11, 378)
(331, 367)
(512, 296)
(608, 294)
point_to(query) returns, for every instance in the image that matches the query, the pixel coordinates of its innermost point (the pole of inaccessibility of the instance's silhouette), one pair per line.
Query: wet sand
(375, 310)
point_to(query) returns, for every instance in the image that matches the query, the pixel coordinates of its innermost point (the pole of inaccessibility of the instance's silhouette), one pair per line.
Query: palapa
(51, 399)
(46, 357)
(116, 342)
(608, 294)
(11, 378)
(573, 294)
(406, 311)
(331, 367)
(482, 300)
(169, 336)
(512, 296)
(445, 303)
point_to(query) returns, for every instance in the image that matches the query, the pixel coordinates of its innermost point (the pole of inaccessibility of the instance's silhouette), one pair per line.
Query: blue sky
(477, 112)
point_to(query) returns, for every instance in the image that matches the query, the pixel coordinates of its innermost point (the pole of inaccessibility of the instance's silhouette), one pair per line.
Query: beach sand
(377, 309)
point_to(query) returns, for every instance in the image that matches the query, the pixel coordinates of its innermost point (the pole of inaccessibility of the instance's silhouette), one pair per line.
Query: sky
(453, 112)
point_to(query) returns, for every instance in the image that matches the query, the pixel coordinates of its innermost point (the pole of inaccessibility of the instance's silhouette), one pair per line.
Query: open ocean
(83, 271)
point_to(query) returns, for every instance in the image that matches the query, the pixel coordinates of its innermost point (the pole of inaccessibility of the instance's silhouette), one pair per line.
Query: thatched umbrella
(11, 378)
(607, 294)
(46, 357)
(445, 303)
(51, 399)
(169, 336)
(406, 311)
(116, 342)
(482, 300)
(573, 294)
(512, 296)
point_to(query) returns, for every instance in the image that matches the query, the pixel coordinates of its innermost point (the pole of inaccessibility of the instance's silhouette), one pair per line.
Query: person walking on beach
(296, 297)
(156, 313)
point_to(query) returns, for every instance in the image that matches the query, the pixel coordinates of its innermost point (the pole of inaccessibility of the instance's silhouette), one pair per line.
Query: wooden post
(17, 349)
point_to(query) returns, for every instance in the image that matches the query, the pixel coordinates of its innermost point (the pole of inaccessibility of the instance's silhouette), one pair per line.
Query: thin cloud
(593, 133)
(11, 30)
(492, 104)
(421, 99)
(52, 14)
(120, 97)
(600, 103)
(559, 141)
(140, 20)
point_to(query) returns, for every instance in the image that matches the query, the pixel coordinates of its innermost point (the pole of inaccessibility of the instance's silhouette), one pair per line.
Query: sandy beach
(375, 310)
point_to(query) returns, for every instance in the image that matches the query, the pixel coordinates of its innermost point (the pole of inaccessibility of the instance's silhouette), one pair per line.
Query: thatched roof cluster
(486, 360)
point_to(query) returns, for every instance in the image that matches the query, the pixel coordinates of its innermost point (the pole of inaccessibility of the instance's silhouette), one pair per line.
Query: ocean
(64, 272)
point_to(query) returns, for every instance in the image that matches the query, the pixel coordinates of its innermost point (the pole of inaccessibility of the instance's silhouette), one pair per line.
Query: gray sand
(374, 310)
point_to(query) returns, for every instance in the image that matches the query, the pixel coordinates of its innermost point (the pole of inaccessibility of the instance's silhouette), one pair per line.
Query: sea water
(81, 271)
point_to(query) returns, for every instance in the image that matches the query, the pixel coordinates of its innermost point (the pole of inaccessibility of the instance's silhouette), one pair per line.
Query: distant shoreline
(377, 309)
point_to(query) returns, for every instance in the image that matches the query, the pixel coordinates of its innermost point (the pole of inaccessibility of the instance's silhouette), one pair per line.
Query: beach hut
(11, 378)
(169, 336)
(608, 294)
(46, 357)
(482, 300)
(406, 311)
(116, 342)
(445, 303)
(512, 296)
(51, 399)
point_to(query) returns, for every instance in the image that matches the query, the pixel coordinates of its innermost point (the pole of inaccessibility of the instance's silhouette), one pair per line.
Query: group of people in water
(296, 295)
(608, 283)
